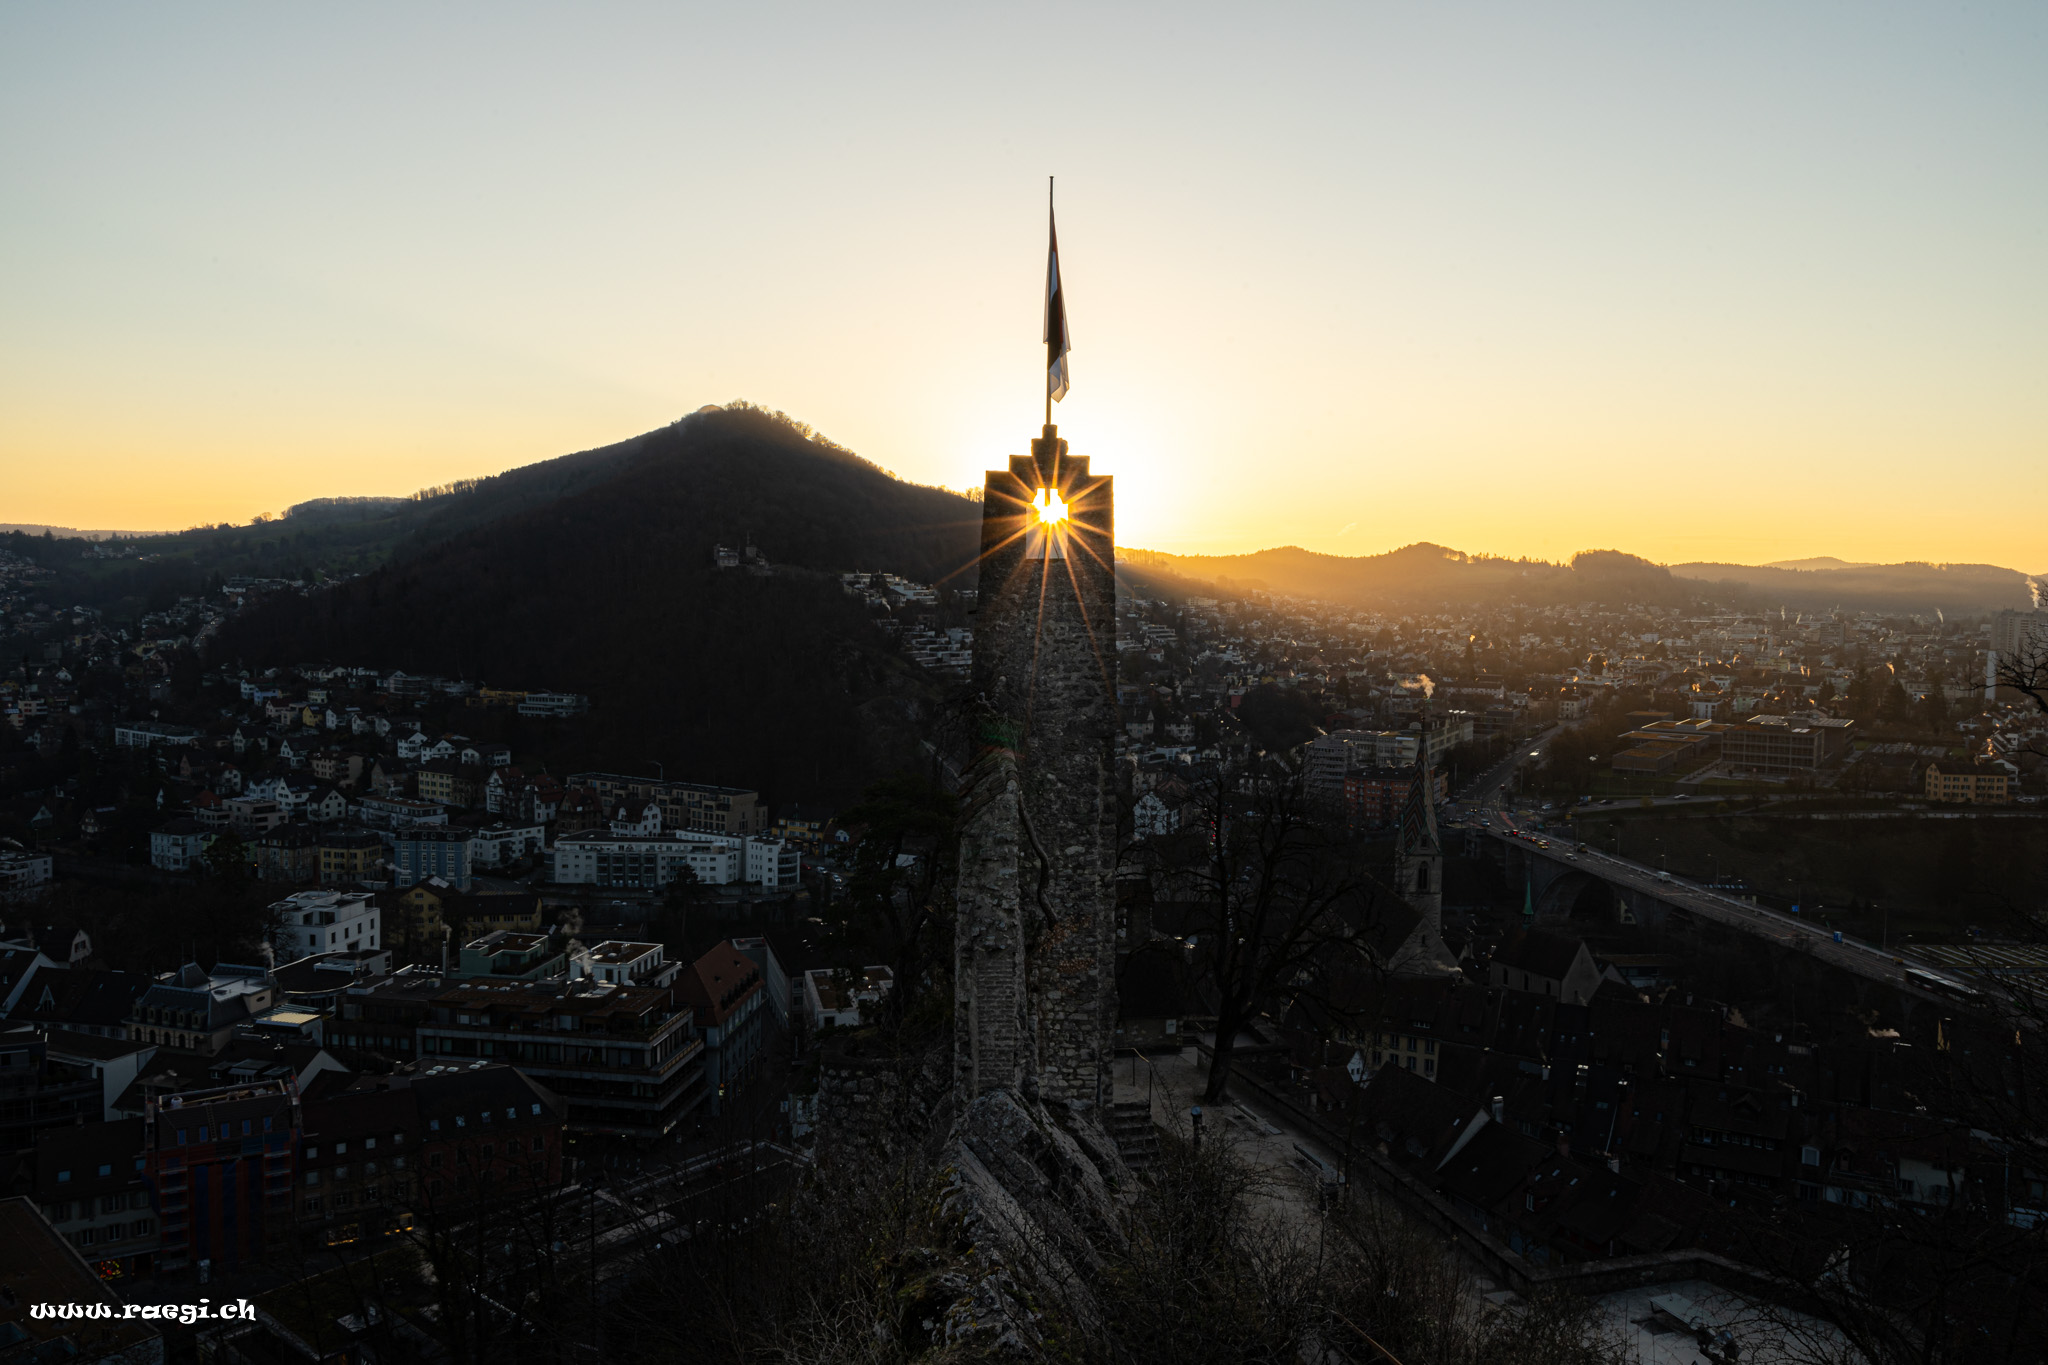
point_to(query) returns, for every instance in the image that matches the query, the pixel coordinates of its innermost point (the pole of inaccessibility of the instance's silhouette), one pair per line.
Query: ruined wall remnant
(1039, 846)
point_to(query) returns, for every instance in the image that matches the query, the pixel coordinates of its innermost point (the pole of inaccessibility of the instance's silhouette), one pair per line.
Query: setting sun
(1052, 509)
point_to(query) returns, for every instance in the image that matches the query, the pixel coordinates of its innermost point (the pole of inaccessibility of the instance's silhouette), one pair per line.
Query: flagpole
(1048, 337)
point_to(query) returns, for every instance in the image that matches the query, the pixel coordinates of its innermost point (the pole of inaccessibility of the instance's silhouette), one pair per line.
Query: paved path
(1292, 1166)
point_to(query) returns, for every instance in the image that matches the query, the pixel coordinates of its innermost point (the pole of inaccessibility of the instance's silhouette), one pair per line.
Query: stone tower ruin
(1035, 935)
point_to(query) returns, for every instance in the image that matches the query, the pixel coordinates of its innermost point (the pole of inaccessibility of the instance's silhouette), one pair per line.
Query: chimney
(1499, 1109)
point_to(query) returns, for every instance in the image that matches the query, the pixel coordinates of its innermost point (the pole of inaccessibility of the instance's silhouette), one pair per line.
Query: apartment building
(312, 922)
(627, 1060)
(695, 806)
(90, 1184)
(1785, 744)
(605, 857)
(220, 1162)
(1977, 783)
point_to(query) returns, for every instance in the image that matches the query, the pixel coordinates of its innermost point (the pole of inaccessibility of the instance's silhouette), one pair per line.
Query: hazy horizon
(1746, 284)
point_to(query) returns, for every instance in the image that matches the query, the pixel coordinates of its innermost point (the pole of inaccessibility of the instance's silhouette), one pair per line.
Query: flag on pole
(1056, 368)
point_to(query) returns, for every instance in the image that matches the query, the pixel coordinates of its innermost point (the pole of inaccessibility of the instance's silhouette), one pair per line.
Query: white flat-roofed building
(144, 734)
(177, 846)
(400, 812)
(24, 874)
(503, 842)
(608, 858)
(310, 922)
(774, 863)
(624, 964)
(835, 997)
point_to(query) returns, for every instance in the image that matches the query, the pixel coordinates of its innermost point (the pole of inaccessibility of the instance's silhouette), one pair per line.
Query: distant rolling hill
(595, 574)
(64, 532)
(1424, 575)
(1824, 584)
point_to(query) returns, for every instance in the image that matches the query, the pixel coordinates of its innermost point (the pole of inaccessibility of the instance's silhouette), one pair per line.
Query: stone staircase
(1130, 1127)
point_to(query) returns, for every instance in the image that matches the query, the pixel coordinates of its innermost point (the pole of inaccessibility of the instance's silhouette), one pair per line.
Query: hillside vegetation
(595, 574)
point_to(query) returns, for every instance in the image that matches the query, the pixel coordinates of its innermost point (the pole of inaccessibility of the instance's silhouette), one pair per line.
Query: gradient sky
(1733, 281)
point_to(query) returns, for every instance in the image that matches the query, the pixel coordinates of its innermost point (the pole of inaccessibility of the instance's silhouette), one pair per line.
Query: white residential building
(310, 922)
(603, 858)
(1153, 818)
(496, 845)
(608, 858)
(177, 846)
(835, 997)
(624, 964)
(23, 874)
(145, 734)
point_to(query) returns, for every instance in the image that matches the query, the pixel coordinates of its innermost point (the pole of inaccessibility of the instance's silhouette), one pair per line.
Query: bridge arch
(1576, 894)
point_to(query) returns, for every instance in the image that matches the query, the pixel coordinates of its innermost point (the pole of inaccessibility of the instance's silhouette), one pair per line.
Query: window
(340, 1148)
(245, 1127)
(540, 1144)
(312, 1177)
(369, 1144)
(434, 1125)
(113, 1203)
(312, 1153)
(434, 1164)
(489, 1151)
(63, 1177)
(202, 1132)
(1809, 1156)
(341, 1172)
(106, 1169)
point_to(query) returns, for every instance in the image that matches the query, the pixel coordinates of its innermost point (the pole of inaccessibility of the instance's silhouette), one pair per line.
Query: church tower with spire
(1419, 877)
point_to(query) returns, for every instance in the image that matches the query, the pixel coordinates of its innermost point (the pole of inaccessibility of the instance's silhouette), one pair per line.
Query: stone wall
(991, 1023)
(872, 1103)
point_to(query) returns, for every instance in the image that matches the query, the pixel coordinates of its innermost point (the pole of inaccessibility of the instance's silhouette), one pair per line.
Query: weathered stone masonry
(1039, 841)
